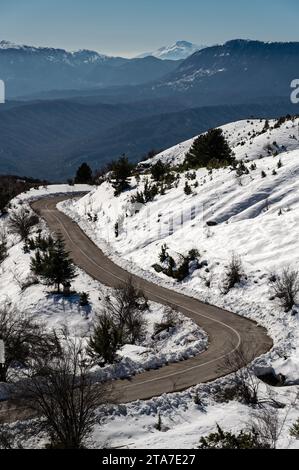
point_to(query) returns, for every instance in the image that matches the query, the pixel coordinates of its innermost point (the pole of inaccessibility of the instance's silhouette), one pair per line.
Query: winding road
(227, 331)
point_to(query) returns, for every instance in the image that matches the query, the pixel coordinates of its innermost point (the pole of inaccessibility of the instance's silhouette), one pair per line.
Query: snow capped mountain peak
(177, 51)
(84, 55)
(9, 45)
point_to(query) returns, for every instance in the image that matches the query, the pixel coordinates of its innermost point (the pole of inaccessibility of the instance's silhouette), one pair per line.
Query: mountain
(238, 71)
(177, 51)
(50, 139)
(27, 70)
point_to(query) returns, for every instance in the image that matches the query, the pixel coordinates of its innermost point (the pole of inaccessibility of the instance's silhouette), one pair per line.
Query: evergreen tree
(159, 170)
(84, 299)
(122, 170)
(84, 174)
(227, 440)
(187, 189)
(3, 246)
(105, 340)
(54, 266)
(210, 148)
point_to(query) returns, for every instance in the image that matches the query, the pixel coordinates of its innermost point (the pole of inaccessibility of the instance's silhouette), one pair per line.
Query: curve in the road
(226, 330)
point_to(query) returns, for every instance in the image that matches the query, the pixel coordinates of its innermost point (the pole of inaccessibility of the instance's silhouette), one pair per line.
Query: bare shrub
(169, 320)
(121, 322)
(126, 307)
(25, 341)
(285, 288)
(21, 221)
(7, 440)
(245, 385)
(267, 425)
(233, 274)
(63, 393)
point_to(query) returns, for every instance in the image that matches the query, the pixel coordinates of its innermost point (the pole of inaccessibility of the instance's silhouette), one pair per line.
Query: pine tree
(37, 264)
(210, 148)
(3, 246)
(158, 425)
(227, 440)
(54, 266)
(266, 126)
(84, 299)
(159, 170)
(84, 174)
(122, 170)
(105, 340)
(187, 189)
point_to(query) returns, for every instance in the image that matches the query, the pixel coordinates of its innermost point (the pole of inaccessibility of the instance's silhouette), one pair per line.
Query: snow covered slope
(247, 140)
(19, 288)
(255, 215)
(178, 51)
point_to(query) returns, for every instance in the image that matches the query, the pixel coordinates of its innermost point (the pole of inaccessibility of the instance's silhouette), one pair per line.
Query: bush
(126, 309)
(3, 246)
(193, 254)
(121, 323)
(25, 340)
(158, 425)
(64, 394)
(39, 243)
(163, 255)
(147, 195)
(21, 221)
(241, 169)
(169, 320)
(210, 148)
(84, 299)
(121, 171)
(285, 288)
(182, 270)
(83, 175)
(233, 274)
(54, 266)
(187, 189)
(105, 341)
(178, 272)
(228, 440)
(294, 431)
(244, 385)
(159, 170)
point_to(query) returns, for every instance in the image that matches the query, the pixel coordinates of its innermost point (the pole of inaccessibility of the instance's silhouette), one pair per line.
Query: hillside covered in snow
(251, 211)
(177, 51)
(180, 227)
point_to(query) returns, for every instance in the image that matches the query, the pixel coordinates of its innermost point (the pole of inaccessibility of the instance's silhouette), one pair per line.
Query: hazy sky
(128, 27)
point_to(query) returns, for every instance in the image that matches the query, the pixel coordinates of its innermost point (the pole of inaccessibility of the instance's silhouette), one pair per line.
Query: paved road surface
(226, 330)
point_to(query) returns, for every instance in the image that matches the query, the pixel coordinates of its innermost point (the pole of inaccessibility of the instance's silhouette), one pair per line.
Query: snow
(177, 51)
(255, 144)
(254, 216)
(184, 422)
(57, 312)
(88, 56)
(53, 190)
